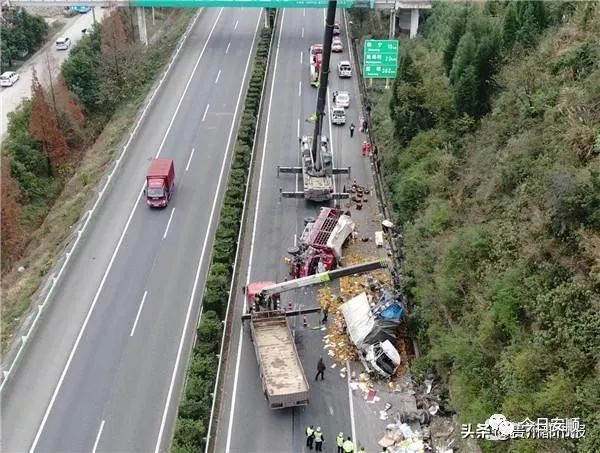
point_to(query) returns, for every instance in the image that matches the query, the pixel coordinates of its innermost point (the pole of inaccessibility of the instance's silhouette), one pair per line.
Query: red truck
(160, 183)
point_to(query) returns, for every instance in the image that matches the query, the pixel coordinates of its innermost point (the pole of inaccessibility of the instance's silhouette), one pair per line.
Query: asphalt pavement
(245, 422)
(104, 370)
(11, 97)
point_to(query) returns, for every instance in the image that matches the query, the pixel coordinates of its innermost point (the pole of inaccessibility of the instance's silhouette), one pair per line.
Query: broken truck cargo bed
(281, 372)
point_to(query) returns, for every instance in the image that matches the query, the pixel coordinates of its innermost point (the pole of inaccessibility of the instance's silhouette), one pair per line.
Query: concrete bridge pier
(141, 17)
(414, 22)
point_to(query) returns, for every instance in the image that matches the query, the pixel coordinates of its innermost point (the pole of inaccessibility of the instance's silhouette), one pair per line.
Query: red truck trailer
(160, 182)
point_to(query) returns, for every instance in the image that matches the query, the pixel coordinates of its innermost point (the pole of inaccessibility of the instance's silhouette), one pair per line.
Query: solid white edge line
(169, 223)
(227, 50)
(352, 422)
(90, 212)
(112, 259)
(199, 268)
(205, 112)
(187, 167)
(98, 437)
(256, 210)
(218, 75)
(235, 261)
(138, 313)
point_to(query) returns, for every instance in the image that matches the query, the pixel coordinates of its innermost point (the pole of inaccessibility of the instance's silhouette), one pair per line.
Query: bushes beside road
(194, 411)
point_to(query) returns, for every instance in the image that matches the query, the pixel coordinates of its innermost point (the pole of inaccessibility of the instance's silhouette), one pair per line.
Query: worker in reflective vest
(348, 445)
(339, 440)
(318, 439)
(310, 436)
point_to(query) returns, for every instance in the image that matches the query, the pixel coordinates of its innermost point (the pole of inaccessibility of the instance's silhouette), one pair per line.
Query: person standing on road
(310, 436)
(339, 440)
(318, 439)
(352, 127)
(320, 370)
(325, 314)
(348, 445)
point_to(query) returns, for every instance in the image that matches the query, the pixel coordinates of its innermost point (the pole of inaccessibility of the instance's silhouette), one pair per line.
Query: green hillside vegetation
(490, 139)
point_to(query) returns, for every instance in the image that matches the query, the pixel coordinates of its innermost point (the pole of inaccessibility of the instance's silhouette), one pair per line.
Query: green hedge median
(194, 409)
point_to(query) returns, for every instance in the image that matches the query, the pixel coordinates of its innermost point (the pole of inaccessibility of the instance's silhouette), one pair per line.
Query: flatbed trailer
(283, 380)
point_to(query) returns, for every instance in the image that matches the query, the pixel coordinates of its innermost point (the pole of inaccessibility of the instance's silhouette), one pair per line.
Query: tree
(83, 73)
(465, 92)
(532, 20)
(457, 30)
(43, 126)
(114, 43)
(11, 233)
(510, 27)
(464, 57)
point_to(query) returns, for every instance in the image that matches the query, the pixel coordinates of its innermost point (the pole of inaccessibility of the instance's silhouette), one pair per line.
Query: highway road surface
(11, 97)
(245, 422)
(104, 370)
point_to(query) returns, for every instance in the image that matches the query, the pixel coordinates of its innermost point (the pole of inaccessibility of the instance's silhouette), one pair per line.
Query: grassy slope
(503, 250)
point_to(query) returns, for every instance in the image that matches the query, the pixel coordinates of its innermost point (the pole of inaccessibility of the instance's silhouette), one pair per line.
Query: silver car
(341, 99)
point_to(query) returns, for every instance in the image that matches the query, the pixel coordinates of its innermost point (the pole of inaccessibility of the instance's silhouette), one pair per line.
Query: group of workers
(315, 438)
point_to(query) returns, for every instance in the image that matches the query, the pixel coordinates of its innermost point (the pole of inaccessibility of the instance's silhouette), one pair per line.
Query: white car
(338, 116)
(336, 45)
(8, 79)
(63, 43)
(344, 69)
(341, 99)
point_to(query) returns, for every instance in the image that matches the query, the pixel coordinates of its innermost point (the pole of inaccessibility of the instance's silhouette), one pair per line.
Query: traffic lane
(132, 418)
(132, 266)
(246, 423)
(11, 97)
(27, 394)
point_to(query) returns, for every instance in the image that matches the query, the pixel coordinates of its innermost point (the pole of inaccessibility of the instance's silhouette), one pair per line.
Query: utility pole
(323, 79)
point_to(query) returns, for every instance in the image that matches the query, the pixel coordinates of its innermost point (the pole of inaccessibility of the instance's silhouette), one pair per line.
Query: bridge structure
(397, 7)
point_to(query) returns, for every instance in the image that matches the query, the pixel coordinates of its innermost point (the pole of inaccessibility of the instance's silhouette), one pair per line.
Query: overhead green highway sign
(380, 59)
(253, 3)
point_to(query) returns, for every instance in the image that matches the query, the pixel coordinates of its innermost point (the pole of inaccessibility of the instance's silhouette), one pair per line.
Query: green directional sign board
(380, 59)
(252, 3)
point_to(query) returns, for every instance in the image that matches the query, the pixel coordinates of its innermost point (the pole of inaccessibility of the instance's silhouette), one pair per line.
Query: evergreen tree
(510, 27)
(486, 62)
(457, 30)
(464, 57)
(532, 20)
(465, 92)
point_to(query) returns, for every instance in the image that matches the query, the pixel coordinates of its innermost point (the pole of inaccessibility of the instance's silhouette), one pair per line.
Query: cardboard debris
(400, 438)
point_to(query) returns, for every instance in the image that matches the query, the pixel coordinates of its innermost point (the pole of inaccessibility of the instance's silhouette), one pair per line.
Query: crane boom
(323, 277)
